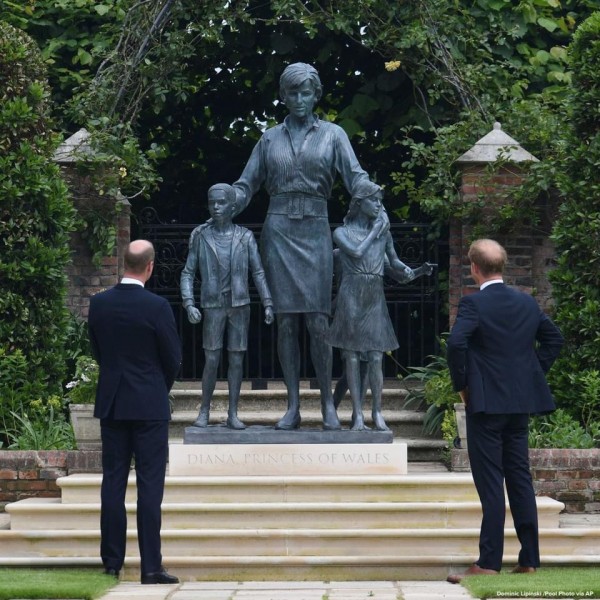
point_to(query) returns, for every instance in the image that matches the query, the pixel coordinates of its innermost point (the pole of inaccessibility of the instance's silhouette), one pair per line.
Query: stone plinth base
(262, 434)
(287, 459)
(459, 460)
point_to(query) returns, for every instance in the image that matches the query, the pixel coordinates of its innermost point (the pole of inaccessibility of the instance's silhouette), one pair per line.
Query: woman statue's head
(295, 75)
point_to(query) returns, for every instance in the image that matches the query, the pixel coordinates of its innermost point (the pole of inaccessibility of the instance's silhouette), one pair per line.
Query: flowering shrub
(82, 390)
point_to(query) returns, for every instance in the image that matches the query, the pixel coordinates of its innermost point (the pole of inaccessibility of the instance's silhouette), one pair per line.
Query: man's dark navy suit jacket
(492, 352)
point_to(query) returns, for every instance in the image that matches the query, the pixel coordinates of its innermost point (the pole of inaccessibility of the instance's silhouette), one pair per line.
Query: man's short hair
(137, 256)
(224, 187)
(489, 256)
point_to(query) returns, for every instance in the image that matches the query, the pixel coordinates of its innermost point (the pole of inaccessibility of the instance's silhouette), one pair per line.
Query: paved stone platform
(304, 590)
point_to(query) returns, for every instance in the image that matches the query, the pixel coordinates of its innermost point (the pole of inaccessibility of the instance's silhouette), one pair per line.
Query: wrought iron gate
(415, 308)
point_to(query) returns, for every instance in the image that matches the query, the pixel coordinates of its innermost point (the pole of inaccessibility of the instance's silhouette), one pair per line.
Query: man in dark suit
(499, 350)
(135, 341)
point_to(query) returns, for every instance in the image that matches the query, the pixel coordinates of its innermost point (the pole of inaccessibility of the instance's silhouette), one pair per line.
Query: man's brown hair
(138, 254)
(489, 256)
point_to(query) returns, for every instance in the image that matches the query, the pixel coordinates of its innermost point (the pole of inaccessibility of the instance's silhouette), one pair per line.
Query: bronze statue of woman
(297, 161)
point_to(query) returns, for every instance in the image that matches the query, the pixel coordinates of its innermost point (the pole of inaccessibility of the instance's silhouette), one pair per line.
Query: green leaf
(83, 56)
(548, 24)
(102, 9)
(351, 127)
(364, 104)
(559, 52)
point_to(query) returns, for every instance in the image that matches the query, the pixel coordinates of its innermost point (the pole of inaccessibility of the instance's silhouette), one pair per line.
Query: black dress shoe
(159, 577)
(112, 572)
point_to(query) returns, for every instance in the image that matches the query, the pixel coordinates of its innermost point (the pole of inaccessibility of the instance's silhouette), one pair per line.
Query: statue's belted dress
(296, 246)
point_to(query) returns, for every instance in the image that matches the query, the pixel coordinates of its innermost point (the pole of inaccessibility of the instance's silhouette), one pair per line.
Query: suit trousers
(147, 443)
(499, 453)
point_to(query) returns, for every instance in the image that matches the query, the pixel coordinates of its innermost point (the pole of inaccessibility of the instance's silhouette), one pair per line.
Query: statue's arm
(397, 269)
(260, 281)
(346, 162)
(351, 172)
(251, 179)
(258, 273)
(356, 249)
(188, 275)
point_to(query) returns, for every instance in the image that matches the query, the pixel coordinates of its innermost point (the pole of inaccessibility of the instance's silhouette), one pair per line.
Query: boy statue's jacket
(202, 258)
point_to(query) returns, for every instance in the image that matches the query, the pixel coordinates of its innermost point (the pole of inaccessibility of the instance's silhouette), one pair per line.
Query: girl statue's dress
(361, 321)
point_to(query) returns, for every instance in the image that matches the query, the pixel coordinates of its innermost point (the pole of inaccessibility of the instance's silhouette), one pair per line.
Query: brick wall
(85, 277)
(569, 476)
(530, 252)
(29, 474)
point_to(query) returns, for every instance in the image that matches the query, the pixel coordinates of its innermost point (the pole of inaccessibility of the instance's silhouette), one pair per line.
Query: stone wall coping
(494, 146)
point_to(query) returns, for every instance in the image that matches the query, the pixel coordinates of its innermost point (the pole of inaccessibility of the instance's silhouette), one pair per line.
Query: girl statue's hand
(381, 224)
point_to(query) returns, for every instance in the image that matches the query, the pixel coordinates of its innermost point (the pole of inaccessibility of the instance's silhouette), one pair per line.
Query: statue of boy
(222, 253)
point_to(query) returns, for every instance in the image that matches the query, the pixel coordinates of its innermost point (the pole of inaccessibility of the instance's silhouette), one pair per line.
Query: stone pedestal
(85, 427)
(287, 459)
(264, 434)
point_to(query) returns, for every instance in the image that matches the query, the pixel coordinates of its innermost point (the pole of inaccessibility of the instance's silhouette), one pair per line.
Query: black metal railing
(416, 308)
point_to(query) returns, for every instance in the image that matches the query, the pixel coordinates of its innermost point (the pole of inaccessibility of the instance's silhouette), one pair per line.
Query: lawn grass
(86, 584)
(553, 582)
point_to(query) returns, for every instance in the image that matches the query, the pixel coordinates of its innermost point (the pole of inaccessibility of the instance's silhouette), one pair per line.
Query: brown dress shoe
(520, 569)
(474, 569)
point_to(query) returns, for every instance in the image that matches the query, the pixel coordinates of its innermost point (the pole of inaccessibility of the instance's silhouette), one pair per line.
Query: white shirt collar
(490, 282)
(132, 280)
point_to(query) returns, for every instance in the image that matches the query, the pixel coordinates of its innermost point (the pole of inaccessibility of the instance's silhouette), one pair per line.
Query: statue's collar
(316, 122)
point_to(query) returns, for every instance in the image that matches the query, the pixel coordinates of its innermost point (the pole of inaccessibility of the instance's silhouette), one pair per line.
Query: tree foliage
(576, 233)
(36, 218)
(74, 37)
(181, 90)
(413, 83)
(471, 63)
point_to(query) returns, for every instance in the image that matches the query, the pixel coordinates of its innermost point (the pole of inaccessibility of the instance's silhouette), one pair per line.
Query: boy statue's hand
(268, 315)
(194, 315)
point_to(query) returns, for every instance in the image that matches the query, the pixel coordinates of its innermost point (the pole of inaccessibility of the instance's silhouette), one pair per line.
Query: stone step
(414, 526)
(38, 514)
(275, 400)
(403, 423)
(398, 546)
(349, 567)
(267, 406)
(432, 486)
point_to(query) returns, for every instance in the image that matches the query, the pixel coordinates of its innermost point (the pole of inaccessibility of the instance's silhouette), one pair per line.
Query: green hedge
(576, 234)
(36, 218)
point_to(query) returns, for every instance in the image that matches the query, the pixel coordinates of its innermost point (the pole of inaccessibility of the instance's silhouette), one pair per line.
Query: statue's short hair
(226, 188)
(295, 75)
